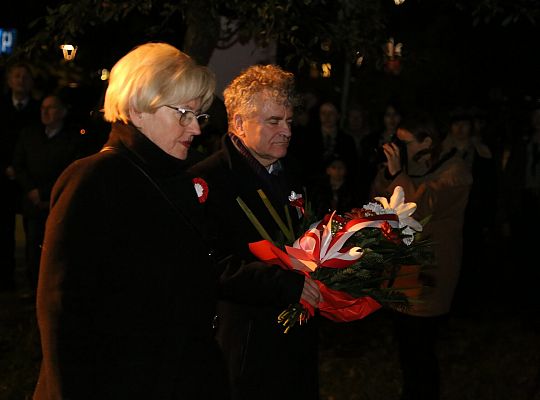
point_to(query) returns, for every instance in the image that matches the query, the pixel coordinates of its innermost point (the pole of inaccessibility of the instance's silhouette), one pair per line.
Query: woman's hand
(391, 151)
(311, 292)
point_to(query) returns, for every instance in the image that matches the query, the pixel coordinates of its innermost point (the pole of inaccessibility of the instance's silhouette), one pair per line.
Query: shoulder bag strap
(177, 210)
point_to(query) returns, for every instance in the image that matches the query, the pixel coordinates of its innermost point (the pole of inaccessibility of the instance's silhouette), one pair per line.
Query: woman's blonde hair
(153, 75)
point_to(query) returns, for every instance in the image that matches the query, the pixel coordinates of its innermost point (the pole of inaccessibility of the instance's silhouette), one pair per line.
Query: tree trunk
(202, 32)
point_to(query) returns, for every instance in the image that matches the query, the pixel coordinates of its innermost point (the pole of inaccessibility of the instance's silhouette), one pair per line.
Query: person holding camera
(439, 184)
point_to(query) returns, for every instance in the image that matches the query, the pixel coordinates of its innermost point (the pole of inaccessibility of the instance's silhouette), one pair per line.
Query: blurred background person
(324, 141)
(439, 184)
(42, 152)
(520, 190)
(333, 191)
(335, 140)
(303, 128)
(371, 153)
(479, 221)
(18, 109)
(357, 124)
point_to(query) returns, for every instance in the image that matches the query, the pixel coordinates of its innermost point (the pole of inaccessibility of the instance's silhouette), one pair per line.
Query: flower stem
(254, 220)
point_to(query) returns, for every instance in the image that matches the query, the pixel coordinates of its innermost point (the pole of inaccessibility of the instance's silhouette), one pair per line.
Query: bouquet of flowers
(356, 259)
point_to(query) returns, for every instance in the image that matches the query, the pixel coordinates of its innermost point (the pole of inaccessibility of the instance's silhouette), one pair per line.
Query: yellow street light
(69, 51)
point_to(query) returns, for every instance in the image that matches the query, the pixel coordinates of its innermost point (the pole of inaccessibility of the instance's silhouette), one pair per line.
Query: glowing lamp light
(69, 51)
(104, 74)
(393, 53)
(393, 50)
(398, 2)
(326, 70)
(359, 59)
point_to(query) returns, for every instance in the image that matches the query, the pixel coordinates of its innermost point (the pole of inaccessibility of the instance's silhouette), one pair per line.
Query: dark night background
(490, 352)
(446, 59)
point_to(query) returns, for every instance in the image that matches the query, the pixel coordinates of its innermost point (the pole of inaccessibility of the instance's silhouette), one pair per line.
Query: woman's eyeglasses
(187, 116)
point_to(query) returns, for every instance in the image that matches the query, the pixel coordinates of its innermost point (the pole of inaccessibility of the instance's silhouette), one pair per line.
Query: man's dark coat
(264, 363)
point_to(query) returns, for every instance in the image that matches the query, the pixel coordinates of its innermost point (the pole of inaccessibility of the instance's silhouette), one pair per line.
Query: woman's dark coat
(263, 362)
(127, 290)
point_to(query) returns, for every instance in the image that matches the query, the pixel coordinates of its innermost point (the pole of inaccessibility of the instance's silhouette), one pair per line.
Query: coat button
(215, 322)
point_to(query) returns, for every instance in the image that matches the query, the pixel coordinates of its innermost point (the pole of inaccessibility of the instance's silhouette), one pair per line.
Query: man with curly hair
(264, 363)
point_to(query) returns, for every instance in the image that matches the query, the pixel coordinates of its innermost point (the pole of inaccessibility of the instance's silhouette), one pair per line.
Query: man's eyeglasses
(187, 116)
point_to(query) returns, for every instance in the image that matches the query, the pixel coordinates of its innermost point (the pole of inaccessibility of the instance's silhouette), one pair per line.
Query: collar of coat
(152, 157)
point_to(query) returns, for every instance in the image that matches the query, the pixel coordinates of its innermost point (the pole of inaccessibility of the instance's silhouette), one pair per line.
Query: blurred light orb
(69, 51)
(104, 74)
(326, 70)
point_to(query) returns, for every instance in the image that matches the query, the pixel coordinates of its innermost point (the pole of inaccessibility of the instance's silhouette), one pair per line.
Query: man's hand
(311, 292)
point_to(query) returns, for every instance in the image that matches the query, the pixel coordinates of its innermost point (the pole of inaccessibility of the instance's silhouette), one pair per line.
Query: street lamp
(68, 51)
(392, 55)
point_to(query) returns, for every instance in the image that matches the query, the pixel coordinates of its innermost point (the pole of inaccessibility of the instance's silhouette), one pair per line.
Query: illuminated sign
(7, 40)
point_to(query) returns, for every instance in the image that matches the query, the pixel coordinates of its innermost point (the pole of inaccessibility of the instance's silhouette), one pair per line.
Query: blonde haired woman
(126, 291)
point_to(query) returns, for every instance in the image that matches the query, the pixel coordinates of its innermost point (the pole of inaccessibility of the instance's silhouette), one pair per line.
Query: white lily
(403, 210)
(294, 196)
